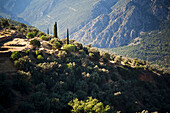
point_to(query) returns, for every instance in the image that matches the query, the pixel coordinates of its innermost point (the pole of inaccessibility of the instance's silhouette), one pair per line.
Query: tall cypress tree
(67, 36)
(48, 31)
(55, 30)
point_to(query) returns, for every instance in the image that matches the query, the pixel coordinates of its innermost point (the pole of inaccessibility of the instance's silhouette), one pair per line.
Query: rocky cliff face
(122, 24)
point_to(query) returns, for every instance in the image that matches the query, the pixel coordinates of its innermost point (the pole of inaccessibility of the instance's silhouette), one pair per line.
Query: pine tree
(67, 36)
(55, 30)
(47, 30)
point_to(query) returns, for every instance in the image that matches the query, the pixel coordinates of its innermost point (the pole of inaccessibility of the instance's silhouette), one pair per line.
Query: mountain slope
(68, 13)
(103, 23)
(154, 47)
(15, 6)
(8, 10)
(124, 23)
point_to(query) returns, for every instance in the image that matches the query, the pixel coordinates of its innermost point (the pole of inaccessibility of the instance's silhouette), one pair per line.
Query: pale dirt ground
(21, 44)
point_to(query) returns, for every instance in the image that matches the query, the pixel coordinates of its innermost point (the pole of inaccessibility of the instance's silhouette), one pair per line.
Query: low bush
(43, 37)
(69, 48)
(23, 63)
(105, 56)
(15, 55)
(112, 56)
(94, 54)
(27, 52)
(35, 43)
(78, 45)
(88, 106)
(39, 34)
(56, 45)
(40, 57)
(37, 52)
(62, 54)
(30, 35)
(118, 59)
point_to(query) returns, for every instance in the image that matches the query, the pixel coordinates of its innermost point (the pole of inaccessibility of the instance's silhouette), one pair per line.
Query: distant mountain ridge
(103, 23)
(124, 23)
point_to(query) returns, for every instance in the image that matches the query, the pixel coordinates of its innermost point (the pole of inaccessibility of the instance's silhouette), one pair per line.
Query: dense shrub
(105, 56)
(30, 35)
(54, 40)
(39, 34)
(112, 56)
(27, 52)
(88, 106)
(78, 45)
(69, 48)
(21, 82)
(4, 22)
(118, 59)
(38, 52)
(82, 53)
(12, 27)
(35, 43)
(43, 37)
(15, 55)
(23, 63)
(56, 45)
(62, 54)
(94, 54)
(40, 57)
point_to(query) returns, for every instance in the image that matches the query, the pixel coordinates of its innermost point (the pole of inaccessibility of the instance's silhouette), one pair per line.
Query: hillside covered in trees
(62, 76)
(154, 47)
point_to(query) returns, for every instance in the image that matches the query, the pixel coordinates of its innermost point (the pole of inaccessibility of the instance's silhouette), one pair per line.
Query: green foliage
(118, 59)
(27, 52)
(88, 106)
(23, 25)
(23, 63)
(56, 45)
(25, 107)
(21, 82)
(70, 65)
(105, 56)
(39, 33)
(15, 55)
(94, 54)
(78, 45)
(4, 22)
(43, 37)
(54, 40)
(69, 48)
(112, 56)
(62, 54)
(50, 85)
(30, 35)
(35, 43)
(56, 82)
(40, 57)
(37, 52)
